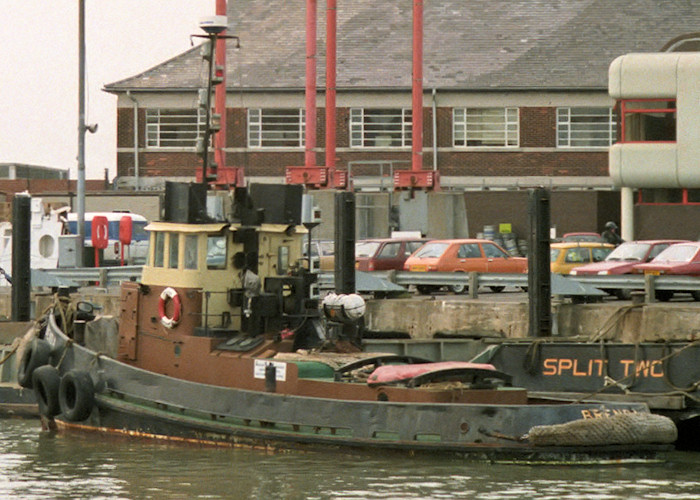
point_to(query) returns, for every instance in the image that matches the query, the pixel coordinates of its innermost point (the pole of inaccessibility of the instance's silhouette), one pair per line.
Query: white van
(134, 253)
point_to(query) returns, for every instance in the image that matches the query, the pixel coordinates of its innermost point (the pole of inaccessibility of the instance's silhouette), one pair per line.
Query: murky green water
(35, 464)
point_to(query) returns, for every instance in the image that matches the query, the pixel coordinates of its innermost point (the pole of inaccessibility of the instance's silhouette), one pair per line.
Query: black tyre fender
(36, 355)
(46, 382)
(76, 395)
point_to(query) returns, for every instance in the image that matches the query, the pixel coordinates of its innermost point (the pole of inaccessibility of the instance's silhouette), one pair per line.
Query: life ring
(36, 355)
(169, 322)
(76, 395)
(46, 381)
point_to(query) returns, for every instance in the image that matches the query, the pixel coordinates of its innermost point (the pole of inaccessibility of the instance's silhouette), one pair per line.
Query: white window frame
(180, 121)
(265, 129)
(574, 132)
(496, 132)
(370, 129)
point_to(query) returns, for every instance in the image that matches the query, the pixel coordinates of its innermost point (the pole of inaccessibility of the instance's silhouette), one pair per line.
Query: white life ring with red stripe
(169, 294)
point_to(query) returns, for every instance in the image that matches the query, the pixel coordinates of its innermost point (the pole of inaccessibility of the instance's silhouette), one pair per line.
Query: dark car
(385, 254)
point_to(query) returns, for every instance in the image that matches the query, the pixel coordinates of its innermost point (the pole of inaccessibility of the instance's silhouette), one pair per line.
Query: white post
(627, 213)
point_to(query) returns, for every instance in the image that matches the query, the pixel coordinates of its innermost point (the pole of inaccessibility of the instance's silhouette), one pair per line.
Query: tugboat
(222, 343)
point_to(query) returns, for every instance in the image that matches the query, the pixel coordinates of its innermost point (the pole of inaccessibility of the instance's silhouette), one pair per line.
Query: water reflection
(36, 464)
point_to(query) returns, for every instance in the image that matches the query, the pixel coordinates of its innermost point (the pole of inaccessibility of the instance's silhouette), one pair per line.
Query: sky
(39, 72)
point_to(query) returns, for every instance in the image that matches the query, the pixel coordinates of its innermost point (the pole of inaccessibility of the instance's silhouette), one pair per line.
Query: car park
(385, 254)
(623, 260)
(566, 256)
(464, 256)
(680, 259)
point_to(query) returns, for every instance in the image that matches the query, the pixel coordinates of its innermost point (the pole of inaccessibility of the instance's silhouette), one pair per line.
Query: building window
(585, 127)
(380, 128)
(276, 128)
(174, 128)
(670, 196)
(648, 120)
(485, 127)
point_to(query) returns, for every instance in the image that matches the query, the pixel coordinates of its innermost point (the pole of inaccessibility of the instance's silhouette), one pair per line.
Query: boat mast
(81, 131)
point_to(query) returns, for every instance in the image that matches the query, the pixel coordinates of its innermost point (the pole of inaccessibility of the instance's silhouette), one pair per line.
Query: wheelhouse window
(191, 251)
(485, 127)
(585, 127)
(648, 120)
(159, 250)
(173, 250)
(174, 128)
(276, 128)
(380, 128)
(216, 252)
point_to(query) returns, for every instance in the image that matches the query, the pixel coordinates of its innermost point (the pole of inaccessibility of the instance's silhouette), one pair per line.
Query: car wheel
(664, 295)
(425, 289)
(623, 294)
(497, 289)
(458, 289)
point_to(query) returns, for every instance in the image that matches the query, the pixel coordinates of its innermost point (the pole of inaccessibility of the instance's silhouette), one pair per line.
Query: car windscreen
(431, 250)
(629, 251)
(677, 253)
(366, 248)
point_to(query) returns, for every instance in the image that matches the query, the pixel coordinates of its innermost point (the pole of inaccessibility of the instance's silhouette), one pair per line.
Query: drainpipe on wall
(434, 110)
(136, 137)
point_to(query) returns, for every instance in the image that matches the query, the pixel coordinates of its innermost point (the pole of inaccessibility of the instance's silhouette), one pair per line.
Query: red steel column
(309, 154)
(220, 93)
(331, 27)
(417, 109)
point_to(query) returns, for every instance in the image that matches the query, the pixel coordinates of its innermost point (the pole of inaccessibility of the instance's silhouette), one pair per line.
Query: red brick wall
(537, 130)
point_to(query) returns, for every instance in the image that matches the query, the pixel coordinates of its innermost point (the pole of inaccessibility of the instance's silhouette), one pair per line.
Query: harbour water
(39, 465)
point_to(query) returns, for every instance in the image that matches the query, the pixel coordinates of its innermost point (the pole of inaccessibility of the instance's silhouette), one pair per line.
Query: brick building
(515, 95)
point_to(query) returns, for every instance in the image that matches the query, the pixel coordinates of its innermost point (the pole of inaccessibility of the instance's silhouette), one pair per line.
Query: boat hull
(135, 402)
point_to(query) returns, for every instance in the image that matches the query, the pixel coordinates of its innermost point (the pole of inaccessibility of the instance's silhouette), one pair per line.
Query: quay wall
(423, 318)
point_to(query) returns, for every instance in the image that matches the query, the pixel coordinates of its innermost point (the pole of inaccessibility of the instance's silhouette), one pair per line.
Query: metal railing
(107, 276)
(647, 283)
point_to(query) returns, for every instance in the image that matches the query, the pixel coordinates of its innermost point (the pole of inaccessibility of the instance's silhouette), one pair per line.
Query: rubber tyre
(36, 355)
(46, 382)
(424, 289)
(76, 395)
(458, 289)
(497, 289)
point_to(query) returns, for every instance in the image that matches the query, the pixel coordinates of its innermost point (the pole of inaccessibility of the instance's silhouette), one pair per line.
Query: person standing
(610, 234)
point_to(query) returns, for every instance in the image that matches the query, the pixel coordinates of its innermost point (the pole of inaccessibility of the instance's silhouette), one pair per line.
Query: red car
(468, 255)
(623, 259)
(679, 259)
(384, 254)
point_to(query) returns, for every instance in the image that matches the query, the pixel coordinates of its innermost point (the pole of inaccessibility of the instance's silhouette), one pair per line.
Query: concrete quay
(424, 318)
(496, 316)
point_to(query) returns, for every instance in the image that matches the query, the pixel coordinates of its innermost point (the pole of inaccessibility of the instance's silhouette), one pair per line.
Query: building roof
(475, 45)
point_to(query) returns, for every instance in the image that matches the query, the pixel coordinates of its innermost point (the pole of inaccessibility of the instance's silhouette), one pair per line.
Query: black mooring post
(539, 276)
(21, 270)
(345, 242)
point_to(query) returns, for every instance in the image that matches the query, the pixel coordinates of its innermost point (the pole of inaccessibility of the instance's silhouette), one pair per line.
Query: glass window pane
(191, 251)
(174, 246)
(159, 255)
(216, 252)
